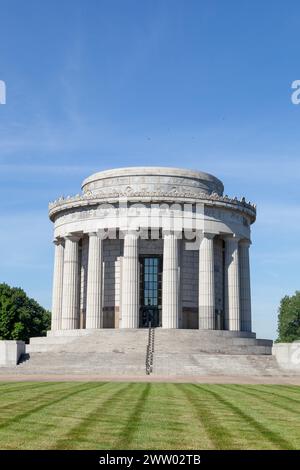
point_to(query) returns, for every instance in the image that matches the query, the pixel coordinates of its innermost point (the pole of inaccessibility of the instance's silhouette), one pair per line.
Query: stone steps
(221, 342)
(206, 348)
(176, 364)
(105, 340)
(215, 364)
(70, 362)
(111, 352)
(165, 341)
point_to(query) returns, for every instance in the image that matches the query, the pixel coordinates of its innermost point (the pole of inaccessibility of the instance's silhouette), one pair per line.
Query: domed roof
(154, 179)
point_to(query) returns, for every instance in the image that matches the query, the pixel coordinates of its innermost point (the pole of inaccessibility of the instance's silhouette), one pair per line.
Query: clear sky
(203, 84)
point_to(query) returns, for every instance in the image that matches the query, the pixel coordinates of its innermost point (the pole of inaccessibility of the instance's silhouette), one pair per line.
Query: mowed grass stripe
(22, 400)
(288, 394)
(18, 400)
(294, 389)
(271, 400)
(161, 419)
(218, 436)
(112, 415)
(171, 421)
(133, 421)
(94, 429)
(35, 386)
(41, 425)
(75, 389)
(276, 413)
(252, 419)
(16, 385)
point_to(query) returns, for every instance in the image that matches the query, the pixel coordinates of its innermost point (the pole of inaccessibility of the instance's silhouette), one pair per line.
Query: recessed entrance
(150, 291)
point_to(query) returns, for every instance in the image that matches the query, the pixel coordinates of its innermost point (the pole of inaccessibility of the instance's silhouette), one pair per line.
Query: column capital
(245, 242)
(73, 237)
(96, 234)
(124, 233)
(58, 241)
(231, 237)
(208, 235)
(170, 233)
(133, 233)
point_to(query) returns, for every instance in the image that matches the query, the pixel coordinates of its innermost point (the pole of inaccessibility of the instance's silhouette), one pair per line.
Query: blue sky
(198, 84)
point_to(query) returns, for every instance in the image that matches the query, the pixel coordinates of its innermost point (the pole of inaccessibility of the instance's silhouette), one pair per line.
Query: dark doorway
(150, 290)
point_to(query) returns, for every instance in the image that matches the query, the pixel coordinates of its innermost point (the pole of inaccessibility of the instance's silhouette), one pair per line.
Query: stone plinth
(10, 352)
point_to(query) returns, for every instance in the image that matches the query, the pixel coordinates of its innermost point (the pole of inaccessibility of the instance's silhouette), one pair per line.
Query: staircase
(208, 353)
(212, 342)
(102, 352)
(117, 352)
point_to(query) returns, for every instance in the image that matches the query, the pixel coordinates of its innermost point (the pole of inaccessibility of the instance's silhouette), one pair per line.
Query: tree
(289, 318)
(20, 316)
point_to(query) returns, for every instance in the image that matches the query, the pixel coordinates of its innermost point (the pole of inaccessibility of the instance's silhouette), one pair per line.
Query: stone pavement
(12, 376)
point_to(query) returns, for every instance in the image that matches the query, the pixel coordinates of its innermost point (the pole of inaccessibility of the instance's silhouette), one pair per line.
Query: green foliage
(289, 318)
(20, 316)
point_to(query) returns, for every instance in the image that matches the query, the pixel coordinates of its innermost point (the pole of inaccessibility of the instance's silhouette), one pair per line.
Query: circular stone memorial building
(151, 245)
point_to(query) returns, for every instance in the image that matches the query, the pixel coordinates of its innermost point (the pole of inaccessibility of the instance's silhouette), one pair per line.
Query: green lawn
(99, 415)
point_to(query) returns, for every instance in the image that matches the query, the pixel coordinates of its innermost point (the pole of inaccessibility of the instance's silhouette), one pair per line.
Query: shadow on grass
(265, 432)
(78, 389)
(79, 432)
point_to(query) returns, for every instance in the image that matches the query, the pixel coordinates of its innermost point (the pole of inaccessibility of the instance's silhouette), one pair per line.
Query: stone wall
(287, 355)
(151, 247)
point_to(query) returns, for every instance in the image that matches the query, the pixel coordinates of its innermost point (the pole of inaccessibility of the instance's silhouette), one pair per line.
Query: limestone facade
(151, 244)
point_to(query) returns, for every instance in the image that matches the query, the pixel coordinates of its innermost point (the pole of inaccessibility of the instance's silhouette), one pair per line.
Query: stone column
(206, 283)
(57, 293)
(94, 313)
(170, 283)
(70, 304)
(232, 285)
(130, 282)
(245, 290)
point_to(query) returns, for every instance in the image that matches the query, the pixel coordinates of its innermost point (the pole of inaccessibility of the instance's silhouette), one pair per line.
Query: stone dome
(150, 179)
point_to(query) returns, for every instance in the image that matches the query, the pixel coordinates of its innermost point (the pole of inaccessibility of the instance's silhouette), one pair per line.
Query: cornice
(100, 197)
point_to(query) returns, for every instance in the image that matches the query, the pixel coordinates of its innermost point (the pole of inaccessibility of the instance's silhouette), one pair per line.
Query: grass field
(99, 415)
